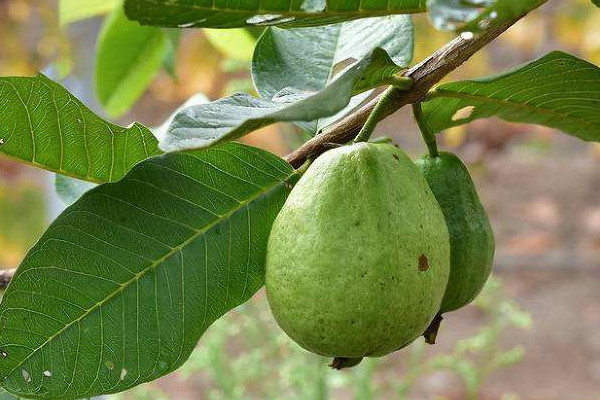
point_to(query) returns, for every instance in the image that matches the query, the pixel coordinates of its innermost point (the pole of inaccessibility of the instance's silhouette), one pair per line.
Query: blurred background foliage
(542, 191)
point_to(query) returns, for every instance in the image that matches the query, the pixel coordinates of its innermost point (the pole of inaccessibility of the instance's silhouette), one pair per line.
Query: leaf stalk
(426, 131)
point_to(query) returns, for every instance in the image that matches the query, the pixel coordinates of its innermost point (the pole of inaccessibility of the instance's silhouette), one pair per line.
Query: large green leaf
(228, 14)
(232, 117)
(557, 90)
(42, 124)
(129, 57)
(75, 10)
(289, 58)
(123, 284)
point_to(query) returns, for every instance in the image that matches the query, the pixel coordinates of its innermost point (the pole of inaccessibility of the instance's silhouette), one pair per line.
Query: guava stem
(378, 113)
(426, 131)
(431, 332)
(344, 362)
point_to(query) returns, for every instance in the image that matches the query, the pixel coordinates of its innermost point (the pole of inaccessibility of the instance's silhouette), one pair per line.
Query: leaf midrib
(155, 264)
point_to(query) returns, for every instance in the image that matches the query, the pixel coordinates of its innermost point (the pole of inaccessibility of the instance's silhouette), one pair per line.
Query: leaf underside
(289, 13)
(123, 284)
(235, 116)
(474, 16)
(42, 124)
(286, 58)
(558, 90)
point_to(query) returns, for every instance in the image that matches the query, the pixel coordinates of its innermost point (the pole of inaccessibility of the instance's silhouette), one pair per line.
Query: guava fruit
(471, 236)
(359, 257)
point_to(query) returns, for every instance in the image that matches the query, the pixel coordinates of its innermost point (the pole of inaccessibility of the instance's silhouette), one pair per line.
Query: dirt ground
(562, 350)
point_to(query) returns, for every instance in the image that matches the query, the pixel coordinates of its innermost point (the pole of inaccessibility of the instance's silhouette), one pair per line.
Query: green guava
(359, 257)
(471, 236)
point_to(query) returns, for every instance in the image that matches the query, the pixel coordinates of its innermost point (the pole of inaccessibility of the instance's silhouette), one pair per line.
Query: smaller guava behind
(359, 257)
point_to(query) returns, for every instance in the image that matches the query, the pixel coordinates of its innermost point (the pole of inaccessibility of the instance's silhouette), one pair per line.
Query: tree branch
(425, 75)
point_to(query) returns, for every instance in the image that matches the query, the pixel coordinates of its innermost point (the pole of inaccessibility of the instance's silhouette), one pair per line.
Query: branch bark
(425, 75)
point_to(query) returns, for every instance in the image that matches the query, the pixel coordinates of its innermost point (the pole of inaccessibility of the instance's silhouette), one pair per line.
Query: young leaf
(232, 117)
(129, 57)
(70, 11)
(227, 14)
(42, 124)
(557, 90)
(288, 57)
(123, 284)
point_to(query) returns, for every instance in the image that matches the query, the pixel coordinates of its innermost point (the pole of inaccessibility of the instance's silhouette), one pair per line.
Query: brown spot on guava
(423, 263)
(396, 157)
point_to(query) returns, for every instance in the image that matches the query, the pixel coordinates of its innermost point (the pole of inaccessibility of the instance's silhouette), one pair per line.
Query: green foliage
(232, 117)
(287, 58)
(123, 284)
(75, 10)
(126, 280)
(558, 90)
(42, 124)
(128, 58)
(225, 14)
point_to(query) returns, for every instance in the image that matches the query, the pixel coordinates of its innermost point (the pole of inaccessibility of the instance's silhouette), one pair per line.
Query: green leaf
(475, 15)
(232, 117)
(596, 2)
(235, 44)
(70, 189)
(129, 57)
(42, 124)
(70, 11)
(288, 57)
(228, 14)
(558, 90)
(123, 284)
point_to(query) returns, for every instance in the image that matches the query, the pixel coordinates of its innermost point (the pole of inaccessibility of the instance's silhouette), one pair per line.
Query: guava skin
(471, 236)
(359, 257)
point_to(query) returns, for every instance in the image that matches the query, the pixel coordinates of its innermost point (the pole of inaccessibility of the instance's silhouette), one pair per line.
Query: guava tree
(177, 232)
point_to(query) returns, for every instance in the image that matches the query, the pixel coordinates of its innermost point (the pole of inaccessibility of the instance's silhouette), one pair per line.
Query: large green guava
(359, 256)
(471, 235)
